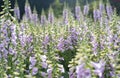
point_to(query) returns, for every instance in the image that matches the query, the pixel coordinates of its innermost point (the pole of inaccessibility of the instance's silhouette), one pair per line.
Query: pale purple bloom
(74, 36)
(43, 58)
(34, 18)
(71, 73)
(99, 68)
(109, 11)
(44, 65)
(94, 44)
(86, 10)
(82, 72)
(43, 74)
(28, 12)
(34, 70)
(43, 19)
(101, 7)
(17, 13)
(77, 12)
(13, 34)
(49, 72)
(12, 51)
(51, 17)
(96, 14)
(65, 16)
(60, 45)
(45, 43)
(32, 62)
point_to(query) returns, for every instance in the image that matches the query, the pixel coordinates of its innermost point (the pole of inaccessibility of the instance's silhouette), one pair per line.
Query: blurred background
(57, 5)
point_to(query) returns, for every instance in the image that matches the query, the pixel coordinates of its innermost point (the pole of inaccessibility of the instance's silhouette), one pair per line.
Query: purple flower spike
(101, 7)
(43, 19)
(17, 13)
(51, 17)
(33, 62)
(109, 11)
(86, 10)
(28, 12)
(45, 43)
(34, 18)
(96, 15)
(65, 16)
(60, 45)
(77, 12)
(13, 35)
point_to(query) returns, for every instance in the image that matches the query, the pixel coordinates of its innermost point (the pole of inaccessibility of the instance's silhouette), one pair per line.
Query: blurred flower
(77, 12)
(96, 14)
(109, 11)
(71, 73)
(13, 34)
(45, 43)
(86, 10)
(34, 70)
(99, 68)
(51, 17)
(65, 16)
(49, 72)
(82, 72)
(43, 74)
(94, 44)
(60, 45)
(12, 51)
(34, 18)
(32, 62)
(43, 19)
(74, 36)
(17, 13)
(101, 7)
(28, 12)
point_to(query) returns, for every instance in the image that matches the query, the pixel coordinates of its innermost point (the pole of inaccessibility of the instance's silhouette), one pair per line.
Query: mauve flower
(94, 44)
(13, 34)
(109, 11)
(43, 58)
(77, 12)
(51, 17)
(99, 68)
(12, 51)
(34, 70)
(71, 73)
(28, 12)
(60, 45)
(45, 43)
(32, 62)
(96, 14)
(86, 10)
(43, 19)
(74, 36)
(65, 16)
(34, 18)
(101, 7)
(17, 13)
(49, 72)
(43, 74)
(82, 72)
(44, 65)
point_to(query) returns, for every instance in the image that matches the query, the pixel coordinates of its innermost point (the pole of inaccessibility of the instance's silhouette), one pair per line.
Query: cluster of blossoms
(52, 48)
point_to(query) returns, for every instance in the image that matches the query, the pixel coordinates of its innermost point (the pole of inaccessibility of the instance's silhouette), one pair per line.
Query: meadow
(76, 45)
